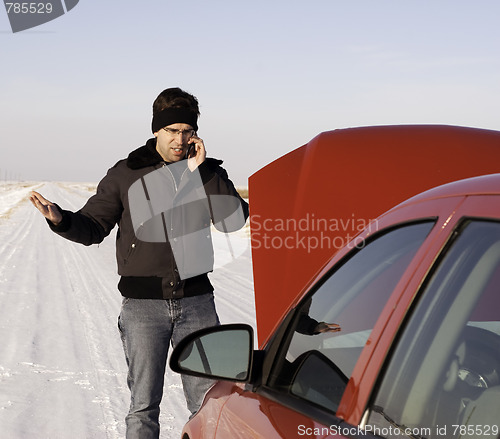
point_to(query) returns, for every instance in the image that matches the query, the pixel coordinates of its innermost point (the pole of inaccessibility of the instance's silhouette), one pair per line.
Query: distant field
(243, 191)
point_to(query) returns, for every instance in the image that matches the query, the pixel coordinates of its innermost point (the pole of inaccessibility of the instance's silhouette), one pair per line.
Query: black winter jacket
(146, 262)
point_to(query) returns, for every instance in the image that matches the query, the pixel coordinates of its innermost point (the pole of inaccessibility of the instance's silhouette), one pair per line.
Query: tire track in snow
(62, 368)
(47, 369)
(31, 332)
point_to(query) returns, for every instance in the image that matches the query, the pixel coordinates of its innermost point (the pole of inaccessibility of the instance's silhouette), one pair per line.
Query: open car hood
(308, 204)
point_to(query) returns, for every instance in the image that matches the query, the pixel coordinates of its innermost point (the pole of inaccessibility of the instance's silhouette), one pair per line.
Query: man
(163, 198)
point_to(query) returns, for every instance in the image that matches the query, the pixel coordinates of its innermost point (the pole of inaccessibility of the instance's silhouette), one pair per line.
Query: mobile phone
(190, 150)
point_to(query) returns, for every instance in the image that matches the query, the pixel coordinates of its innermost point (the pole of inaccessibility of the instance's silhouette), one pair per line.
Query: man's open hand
(48, 209)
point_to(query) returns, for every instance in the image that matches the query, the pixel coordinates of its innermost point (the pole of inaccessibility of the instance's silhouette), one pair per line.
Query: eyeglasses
(184, 133)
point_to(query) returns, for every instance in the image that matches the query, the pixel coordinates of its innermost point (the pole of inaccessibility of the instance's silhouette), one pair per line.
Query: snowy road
(62, 368)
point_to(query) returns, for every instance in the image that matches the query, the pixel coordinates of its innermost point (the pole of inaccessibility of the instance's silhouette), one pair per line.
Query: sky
(77, 92)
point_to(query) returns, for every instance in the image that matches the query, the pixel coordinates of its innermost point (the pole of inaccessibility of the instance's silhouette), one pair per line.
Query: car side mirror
(222, 352)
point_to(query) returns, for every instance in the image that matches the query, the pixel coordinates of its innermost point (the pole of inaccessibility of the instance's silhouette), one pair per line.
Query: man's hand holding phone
(196, 152)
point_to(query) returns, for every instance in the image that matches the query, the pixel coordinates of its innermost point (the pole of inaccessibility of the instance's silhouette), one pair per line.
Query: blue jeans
(147, 327)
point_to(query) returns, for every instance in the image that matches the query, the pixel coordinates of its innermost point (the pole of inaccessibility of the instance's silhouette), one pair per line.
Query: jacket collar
(144, 156)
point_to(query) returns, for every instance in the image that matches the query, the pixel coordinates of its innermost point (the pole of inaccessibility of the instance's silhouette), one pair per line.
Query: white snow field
(62, 367)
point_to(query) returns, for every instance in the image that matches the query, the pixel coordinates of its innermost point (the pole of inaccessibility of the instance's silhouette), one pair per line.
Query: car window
(332, 325)
(443, 380)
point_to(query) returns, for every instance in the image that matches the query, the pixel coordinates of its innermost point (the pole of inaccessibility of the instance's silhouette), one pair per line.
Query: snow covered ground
(62, 368)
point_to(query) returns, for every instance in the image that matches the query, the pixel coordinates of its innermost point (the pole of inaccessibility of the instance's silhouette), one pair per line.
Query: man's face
(172, 141)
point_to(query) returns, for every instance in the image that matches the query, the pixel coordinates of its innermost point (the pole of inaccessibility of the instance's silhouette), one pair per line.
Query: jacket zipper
(174, 270)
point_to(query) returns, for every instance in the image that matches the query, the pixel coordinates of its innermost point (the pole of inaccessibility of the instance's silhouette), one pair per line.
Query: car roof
(350, 176)
(481, 185)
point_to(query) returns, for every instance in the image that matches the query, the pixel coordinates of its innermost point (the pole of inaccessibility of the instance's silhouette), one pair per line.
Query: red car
(397, 333)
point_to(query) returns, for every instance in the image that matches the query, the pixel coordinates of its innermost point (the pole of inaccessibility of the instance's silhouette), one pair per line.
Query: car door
(442, 378)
